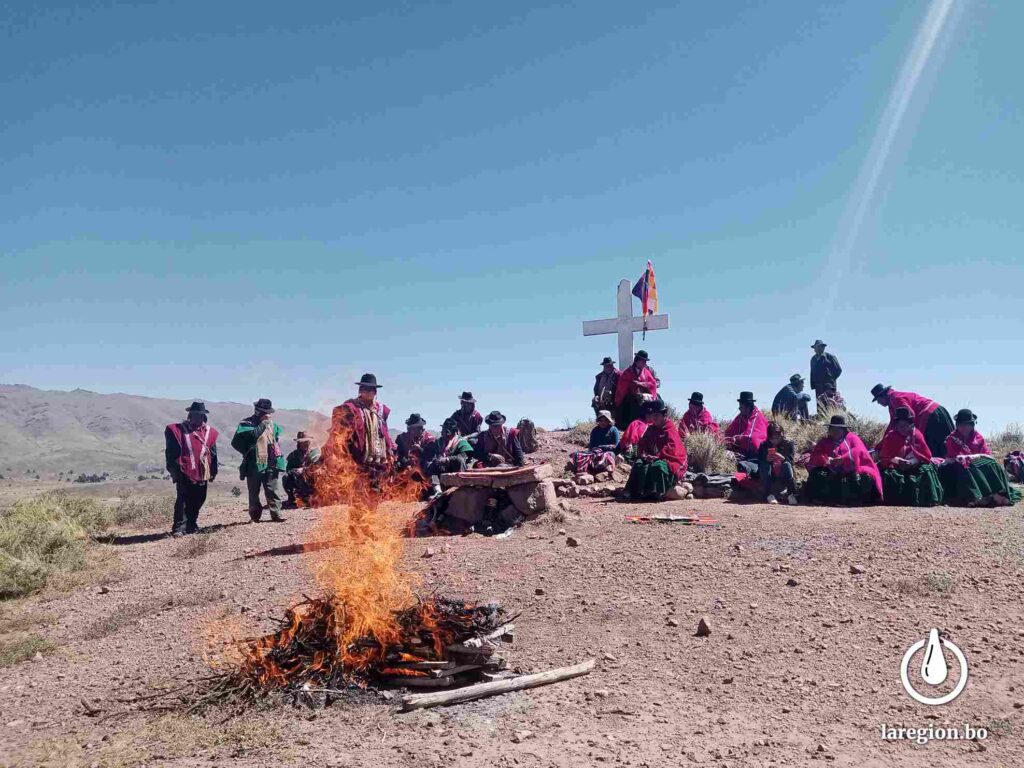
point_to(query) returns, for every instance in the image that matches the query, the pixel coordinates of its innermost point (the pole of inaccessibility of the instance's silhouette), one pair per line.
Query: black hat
(878, 390)
(839, 420)
(655, 406)
(263, 405)
(697, 397)
(903, 414)
(796, 378)
(368, 380)
(966, 416)
(818, 343)
(198, 406)
(415, 420)
(494, 417)
(302, 437)
(642, 355)
(607, 361)
(746, 397)
(467, 397)
(450, 424)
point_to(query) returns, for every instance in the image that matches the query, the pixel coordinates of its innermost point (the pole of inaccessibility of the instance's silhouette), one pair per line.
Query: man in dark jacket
(499, 446)
(791, 401)
(825, 369)
(191, 455)
(605, 384)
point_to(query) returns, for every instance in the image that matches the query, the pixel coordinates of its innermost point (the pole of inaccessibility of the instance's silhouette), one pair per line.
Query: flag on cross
(646, 289)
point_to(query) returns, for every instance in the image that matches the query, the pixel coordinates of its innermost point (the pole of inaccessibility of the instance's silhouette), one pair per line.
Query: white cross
(625, 325)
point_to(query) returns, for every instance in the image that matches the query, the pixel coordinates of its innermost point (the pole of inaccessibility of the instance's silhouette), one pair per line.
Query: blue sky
(237, 200)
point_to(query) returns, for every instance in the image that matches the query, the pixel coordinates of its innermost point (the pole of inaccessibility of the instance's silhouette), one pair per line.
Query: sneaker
(792, 500)
(771, 499)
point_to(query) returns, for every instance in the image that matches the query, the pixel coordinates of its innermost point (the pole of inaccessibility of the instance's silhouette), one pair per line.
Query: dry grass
(1009, 439)
(130, 615)
(932, 583)
(142, 512)
(579, 431)
(705, 453)
(21, 646)
(195, 545)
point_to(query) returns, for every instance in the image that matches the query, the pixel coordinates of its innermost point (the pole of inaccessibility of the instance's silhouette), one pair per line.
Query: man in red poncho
(191, 455)
(636, 386)
(909, 478)
(842, 471)
(661, 461)
(364, 421)
(930, 418)
(746, 433)
(697, 418)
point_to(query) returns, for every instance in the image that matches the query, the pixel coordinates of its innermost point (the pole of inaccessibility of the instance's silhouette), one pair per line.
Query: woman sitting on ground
(842, 471)
(630, 439)
(661, 461)
(970, 476)
(600, 453)
(775, 465)
(909, 478)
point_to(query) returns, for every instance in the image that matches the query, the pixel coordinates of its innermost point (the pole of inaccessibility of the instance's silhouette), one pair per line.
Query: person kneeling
(909, 478)
(661, 461)
(297, 478)
(775, 465)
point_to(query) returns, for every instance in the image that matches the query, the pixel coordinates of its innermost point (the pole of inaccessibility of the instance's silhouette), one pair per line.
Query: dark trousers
(444, 465)
(785, 476)
(187, 503)
(270, 483)
(297, 484)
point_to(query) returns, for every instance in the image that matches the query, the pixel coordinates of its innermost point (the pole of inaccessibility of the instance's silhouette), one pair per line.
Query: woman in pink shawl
(842, 472)
(970, 476)
(746, 433)
(697, 418)
(637, 386)
(909, 477)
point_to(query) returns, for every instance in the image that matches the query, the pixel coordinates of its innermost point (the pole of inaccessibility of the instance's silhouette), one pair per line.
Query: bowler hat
(302, 437)
(415, 420)
(607, 361)
(198, 406)
(263, 405)
(796, 378)
(903, 414)
(966, 416)
(656, 406)
(878, 390)
(449, 424)
(368, 380)
(697, 397)
(467, 397)
(818, 343)
(642, 355)
(839, 420)
(746, 397)
(494, 417)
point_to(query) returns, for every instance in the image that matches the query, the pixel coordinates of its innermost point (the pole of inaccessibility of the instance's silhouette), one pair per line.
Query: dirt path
(802, 666)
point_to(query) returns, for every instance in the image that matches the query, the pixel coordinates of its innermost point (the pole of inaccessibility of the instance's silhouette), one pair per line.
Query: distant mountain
(80, 431)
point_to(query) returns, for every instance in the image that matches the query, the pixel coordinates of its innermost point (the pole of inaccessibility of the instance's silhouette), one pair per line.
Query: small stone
(571, 542)
(520, 736)
(703, 627)
(609, 657)
(538, 591)
(672, 623)
(602, 693)
(104, 590)
(561, 531)
(429, 552)
(792, 583)
(727, 681)
(856, 570)
(821, 748)
(1018, 705)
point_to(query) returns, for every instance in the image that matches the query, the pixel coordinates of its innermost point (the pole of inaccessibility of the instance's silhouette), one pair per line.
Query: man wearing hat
(697, 418)
(825, 369)
(746, 433)
(498, 445)
(298, 480)
(362, 421)
(791, 401)
(191, 456)
(605, 384)
(842, 472)
(909, 478)
(637, 385)
(258, 439)
(467, 417)
(451, 452)
(930, 418)
(661, 457)
(409, 444)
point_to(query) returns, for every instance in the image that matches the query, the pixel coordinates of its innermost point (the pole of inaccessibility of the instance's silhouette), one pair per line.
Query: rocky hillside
(84, 432)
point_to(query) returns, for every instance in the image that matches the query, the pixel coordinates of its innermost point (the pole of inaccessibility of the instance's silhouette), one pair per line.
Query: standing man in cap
(661, 461)
(298, 480)
(791, 401)
(258, 439)
(191, 456)
(697, 418)
(605, 384)
(930, 418)
(467, 417)
(825, 369)
(498, 445)
(636, 386)
(746, 433)
(363, 422)
(409, 444)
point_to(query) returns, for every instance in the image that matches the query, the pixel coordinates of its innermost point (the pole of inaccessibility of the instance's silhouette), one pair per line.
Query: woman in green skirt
(909, 477)
(970, 475)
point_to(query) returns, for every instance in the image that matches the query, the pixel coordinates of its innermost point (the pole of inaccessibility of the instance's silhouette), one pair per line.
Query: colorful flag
(646, 289)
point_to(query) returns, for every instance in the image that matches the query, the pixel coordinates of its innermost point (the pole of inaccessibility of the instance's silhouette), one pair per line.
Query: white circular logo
(934, 668)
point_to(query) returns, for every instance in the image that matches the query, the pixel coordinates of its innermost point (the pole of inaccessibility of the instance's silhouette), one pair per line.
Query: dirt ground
(801, 667)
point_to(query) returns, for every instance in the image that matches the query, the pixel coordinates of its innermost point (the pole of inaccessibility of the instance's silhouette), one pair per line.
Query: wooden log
(500, 632)
(456, 670)
(419, 682)
(471, 692)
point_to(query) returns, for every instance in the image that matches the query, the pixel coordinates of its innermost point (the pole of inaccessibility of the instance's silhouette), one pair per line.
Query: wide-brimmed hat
(966, 416)
(642, 355)
(198, 406)
(878, 390)
(605, 415)
(903, 414)
(494, 417)
(302, 437)
(697, 397)
(746, 397)
(368, 380)
(839, 420)
(467, 397)
(818, 343)
(607, 361)
(415, 420)
(263, 405)
(449, 424)
(796, 378)
(656, 406)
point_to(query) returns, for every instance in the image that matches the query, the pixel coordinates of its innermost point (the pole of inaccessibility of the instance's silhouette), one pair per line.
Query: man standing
(364, 420)
(191, 455)
(746, 433)
(467, 417)
(791, 401)
(930, 418)
(825, 369)
(409, 444)
(258, 439)
(499, 445)
(298, 481)
(605, 384)
(636, 386)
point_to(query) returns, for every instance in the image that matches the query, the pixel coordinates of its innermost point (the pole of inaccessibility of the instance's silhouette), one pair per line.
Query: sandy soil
(801, 667)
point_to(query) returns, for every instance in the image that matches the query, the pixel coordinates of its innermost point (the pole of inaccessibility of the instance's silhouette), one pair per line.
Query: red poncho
(666, 444)
(629, 377)
(852, 451)
(633, 433)
(919, 405)
(958, 445)
(698, 422)
(749, 432)
(895, 445)
(351, 414)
